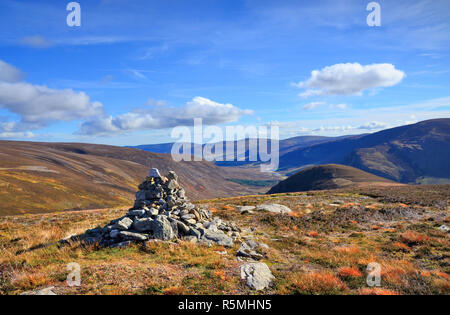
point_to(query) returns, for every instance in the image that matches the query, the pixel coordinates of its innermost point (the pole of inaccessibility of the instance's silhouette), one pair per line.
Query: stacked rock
(162, 211)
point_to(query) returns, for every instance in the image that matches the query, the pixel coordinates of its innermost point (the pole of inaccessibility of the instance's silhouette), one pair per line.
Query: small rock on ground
(257, 275)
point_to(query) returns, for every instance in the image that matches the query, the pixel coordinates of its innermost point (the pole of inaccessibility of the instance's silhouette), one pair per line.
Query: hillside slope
(327, 177)
(407, 154)
(42, 177)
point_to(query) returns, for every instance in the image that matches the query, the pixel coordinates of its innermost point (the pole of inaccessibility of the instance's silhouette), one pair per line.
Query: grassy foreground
(324, 247)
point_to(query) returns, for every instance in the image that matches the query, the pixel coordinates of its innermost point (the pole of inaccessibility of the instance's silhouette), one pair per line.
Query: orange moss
(346, 272)
(441, 274)
(313, 234)
(228, 208)
(401, 246)
(220, 274)
(317, 283)
(376, 291)
(413, 238)
(425, 273)
(348, 249)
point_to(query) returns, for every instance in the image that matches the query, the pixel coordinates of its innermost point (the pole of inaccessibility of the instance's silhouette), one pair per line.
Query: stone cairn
(161, 211)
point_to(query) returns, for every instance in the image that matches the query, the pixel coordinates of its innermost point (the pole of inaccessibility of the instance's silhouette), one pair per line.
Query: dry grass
(320, 255)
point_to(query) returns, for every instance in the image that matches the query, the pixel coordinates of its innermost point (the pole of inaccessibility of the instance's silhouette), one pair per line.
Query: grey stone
(274, 208)
(195, 232)
(137, 213)
(188, 216)
(191, 221)
(172, 175)
(46, 291)
(248, 249)
(182, 228)
(246, 209)
(162, 229)
(444, 228)
(257, 275)
(218, 237)
(114, 233)
(131, 236)
(143, 225)
(172, 184)
(123, 224)
(153, 212)
(154, 172)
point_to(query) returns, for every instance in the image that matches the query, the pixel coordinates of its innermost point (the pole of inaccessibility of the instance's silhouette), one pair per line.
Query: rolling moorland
(417, 153)
(44, 177)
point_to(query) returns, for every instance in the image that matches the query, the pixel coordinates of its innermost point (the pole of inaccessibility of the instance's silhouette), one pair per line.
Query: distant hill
(43, 177)
(330, 176)
(418, 153)
(285, 146)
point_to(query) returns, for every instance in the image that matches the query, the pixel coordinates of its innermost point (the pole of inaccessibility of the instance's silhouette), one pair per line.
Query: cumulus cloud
(350, 79)
(9, 73)
(211, 112)
(38, 106)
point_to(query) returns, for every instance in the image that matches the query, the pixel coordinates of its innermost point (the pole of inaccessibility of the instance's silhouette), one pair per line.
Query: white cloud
(152, 102)
(374, 125)
(211, 112)
(37, 106)
(350, 79)
(313, 105)
(17, 135)
(36, 42)
(9, 73)
(338, 106)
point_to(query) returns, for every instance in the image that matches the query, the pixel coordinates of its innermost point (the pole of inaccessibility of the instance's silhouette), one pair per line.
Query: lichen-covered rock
(143, 225)
(257, 275)
(123, 224)
(217, 237)
(274, 208)
(131, 236)
(162, 229)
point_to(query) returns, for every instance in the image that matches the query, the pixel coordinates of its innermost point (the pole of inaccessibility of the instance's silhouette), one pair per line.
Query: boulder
(46, 291)
(257, 275)
(123, 224)
(162, 229)
(274, 208)
(154, 173)
(143, 225)
(131, 236)
(245, 209)
(136, 213)
(217, 237)
(248, 250)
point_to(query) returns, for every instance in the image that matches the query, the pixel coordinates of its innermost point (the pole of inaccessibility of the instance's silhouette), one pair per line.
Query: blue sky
(136, 69)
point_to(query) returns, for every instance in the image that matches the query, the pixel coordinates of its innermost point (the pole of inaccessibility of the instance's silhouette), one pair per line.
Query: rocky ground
(298, 243)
